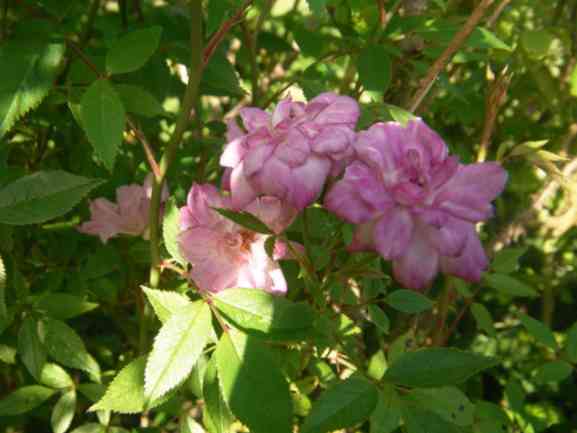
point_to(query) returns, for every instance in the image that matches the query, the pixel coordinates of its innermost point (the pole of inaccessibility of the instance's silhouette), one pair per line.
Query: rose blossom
(416, 205)
(128, 216)
(289, 153)
(222, 253)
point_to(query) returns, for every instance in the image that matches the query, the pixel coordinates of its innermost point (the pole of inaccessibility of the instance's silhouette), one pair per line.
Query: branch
(147, 148)
(446, 56)
(190, 95)
(219, 35)
(494, 100)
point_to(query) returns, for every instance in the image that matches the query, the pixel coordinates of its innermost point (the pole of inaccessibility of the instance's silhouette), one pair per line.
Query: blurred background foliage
(509, 93)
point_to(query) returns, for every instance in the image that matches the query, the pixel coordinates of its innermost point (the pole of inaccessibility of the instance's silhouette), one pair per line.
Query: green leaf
(490, 418)
(387, 415)
(483, 38)
(27, 77)
(176, 349)
(63, 306)
(245, 219)
(31, 348)
(509, 285)
(219, 77)
(66, 347)
(379, 318)
(554, 371)
(419, 420)
(263, 314)
(7, 354)
(103, 119)
(483, 318)
(138, 100)
(55, 376)
(42, 196)
(253, 386)
(377, 365)
(63, 412)
(436, 367)
(571, 343)
(24, 399)
(507, 260)
(449, 403)
(191, 426)
(165, 302)
(125, 394)
(374, 67)
(216, 414)
(92, 427)
(171, 230)
(408, 301)
(344, 405)
(132, 51)
(539, 331)
(379, 112)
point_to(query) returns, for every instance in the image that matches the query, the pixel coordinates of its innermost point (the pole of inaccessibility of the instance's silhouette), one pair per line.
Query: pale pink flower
(416, 205)
(225, 255)
(289, 154)
(128, 216)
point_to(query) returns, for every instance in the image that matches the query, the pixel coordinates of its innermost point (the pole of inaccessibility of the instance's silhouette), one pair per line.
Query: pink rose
(416, 205)
(289, 154)
(128, 216)
(225, 255)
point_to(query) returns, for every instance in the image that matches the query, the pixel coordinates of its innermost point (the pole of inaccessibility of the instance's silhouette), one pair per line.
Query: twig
(252, 57)
(460, 315)
(516, 226)
(443, 311)
(455, 44)
(497, 13)
(494, 100)
(146, 146)
(190, 95)
(84, 58)
(219, 35)
(382, 13)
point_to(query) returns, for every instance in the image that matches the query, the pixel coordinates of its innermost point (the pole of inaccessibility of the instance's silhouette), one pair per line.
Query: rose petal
(344, 201)
(468, 194)
(307, 181)
(254, 119)
(419, 265)
(393, 232)
(472, 261)
(242, 192)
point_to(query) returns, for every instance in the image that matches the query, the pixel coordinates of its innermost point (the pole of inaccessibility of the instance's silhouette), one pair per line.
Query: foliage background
(508, 94)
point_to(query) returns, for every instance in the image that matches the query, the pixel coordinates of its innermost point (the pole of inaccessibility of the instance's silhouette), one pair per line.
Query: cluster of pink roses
(411, 202)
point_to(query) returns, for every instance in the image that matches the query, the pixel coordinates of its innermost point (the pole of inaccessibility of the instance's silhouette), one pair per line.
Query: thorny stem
(218, 36)
(455, 44)
(191, 93)
(252, 56)
(146, 146)
(443, 311)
